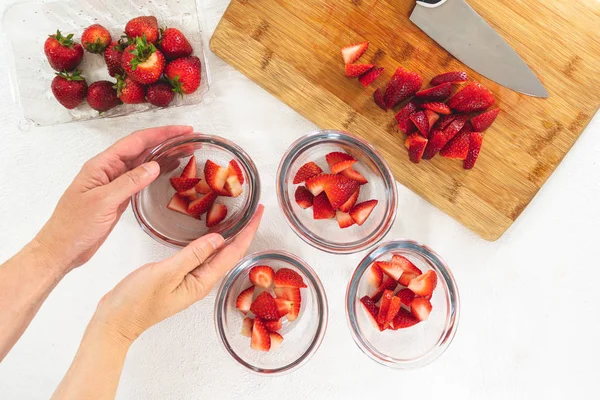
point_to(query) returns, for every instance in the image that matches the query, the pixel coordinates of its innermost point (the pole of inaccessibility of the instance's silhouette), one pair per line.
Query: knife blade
(455, 26)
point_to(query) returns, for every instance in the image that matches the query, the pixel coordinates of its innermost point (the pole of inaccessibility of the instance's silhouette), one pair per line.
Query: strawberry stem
(143, 50)
(66, 41)
(71, 76)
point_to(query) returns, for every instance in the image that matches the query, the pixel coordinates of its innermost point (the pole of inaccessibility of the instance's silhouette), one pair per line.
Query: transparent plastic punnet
(26, 25)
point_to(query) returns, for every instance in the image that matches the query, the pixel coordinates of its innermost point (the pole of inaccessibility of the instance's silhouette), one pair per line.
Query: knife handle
(430, 3)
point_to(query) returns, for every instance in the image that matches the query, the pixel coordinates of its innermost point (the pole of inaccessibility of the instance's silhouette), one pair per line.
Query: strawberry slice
(458, 147)
(292, 294)
(423, 285)
(344, 219)
(233, 186)
(406, 278)
(273, 326)
(317, 184)
(347, 206)
(386, 299)
(261, 339)
(202, 187)
(393, 309)
(371, 309)
(216, 214)
(402, 85)
(306, 172)
(438, 139)
(392, 270)
(190, 194)
(284, 306)
(420, 308)
(179, 203)
(475, 142)
(201, 205)
(244, 300)
(336, 157)
(247, 327)
(288, 278)
(183, 184)
(264, 307)
(276, 340)
(215, 176)
(405, 264)
(354, 175)
(356, 70)
(406, 296)
(473, 97)
(322, 207)
(437, 93)
(190, 169)
(362, 211)
(452, 77)
(354, 52)
(339, 189)
(375, 275)
(432, 117)
(303, 197)
(342, 165)
(403, 319)
(235, 170)
(367, 78)
(378, 98)
(440, 108)
(405, 124)
(388, 284)
(261, 276)
(443, 122)
(485, 120)
(421, 122)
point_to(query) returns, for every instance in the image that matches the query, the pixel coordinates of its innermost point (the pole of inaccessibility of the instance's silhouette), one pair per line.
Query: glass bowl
(326, 234)
(420, 344)
(302, 337)
(178, 230)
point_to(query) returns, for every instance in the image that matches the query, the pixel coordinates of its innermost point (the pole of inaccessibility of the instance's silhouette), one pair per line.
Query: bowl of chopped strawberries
(271, 312)
(207, 184)
(336, 191)
(402, 305)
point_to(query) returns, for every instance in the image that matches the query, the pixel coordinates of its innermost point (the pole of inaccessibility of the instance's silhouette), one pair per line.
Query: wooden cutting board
(291, 48)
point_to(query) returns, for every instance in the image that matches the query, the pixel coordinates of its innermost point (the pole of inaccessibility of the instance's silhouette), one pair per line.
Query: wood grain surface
(291, 48)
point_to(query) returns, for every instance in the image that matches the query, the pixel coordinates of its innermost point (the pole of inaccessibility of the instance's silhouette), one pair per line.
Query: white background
(529, 326)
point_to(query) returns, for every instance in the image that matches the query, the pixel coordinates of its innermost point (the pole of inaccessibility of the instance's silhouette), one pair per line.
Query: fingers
(193, 254)
(131, 182)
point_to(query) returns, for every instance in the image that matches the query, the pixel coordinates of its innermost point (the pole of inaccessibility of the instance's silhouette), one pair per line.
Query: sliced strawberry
(215, 176)
(322, 207)
(420, 308)
(416, 145)
(202, 187)
(387, 284)
(233, 186)
(367, 78)
(438, 139)
(473, 97)
(406, 278)
(437, 93)
(386, 299)
(393, 309)
(392, 270)
(183, 184)
(190, 194)
(432, 117)
(288, 278)
(458, 147)
(353, 52)
(423, 285)
(284, 306)
(354, 175)
(361, 211)
(247, 327)
(371, 309)
(261, 276)
(405, 264)
(306, 172)
(483, 121)
(421, 122)
(440, 108)
(405, 124)
(264, 307)
(344, 219)
(378, 98)
(216, 214)
(201, 205)
(339, 189)
(443, 123)
(244, 299)
(292, 294)
(452, 77)
(235, 169)
(402, 85)
(303, 197)
(374, 275)
(475, 142)
(317, 184)
(406, 296)
(342, 165)
(403, 319)
(347, 206)
(336, 157)
(179, 203)
(261, 339)
(273, 326)
(190, 169)
(276, 340)
(356, 70)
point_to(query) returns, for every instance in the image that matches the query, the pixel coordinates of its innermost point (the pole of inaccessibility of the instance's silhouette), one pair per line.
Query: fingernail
(152, 168)
(216, 240)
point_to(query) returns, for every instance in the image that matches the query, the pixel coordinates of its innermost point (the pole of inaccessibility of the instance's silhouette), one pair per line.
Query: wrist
(102, 332)
(47, 257)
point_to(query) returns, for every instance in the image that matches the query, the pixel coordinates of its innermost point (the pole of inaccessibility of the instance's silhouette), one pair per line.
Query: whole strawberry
(69, 88)
(143, 26)
(143, 62)
(112, 57)
(62, 52)
(102, 96)
(160, 94)
(174, 44)
(129, 91)
(184, 74)
(95, 38)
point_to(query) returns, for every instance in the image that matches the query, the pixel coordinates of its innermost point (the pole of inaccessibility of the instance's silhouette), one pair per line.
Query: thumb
(194, 254)
(131, 182)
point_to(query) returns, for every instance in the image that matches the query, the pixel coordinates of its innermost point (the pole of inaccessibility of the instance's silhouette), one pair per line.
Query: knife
(455, 26)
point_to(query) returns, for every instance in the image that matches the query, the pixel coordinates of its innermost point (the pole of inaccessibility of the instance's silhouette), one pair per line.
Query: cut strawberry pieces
(421, 122)
(423, 285)
(378, 99)
(355, 175)
(182, 184)
(190, 169)
(288, 278)
(261, 338)
(216, 176)
(438, 139)
(276, 340)
(437, 93)
(392, 270)
(473, 97)
(356, 70)
(244, 300)
(344, 219)
(405, 264)
(432, 117)
(273, 326)
(179, 203)
(306, 172)
(322, 208)
(403, 319)
(388, 284)
(202, 187)
(304, 197)
(235, 170)
(202, 205)
(440, 108)
(406, 296)
(386, 300)
(347, 206)
(337, 157)
(339, 189)
(367, 78)
(316, 185)
(452, 77)
(475, 142)
(265, 307)
(233, 186)
(420, 308)
(360, 212)
(375, 275)
(372, 310)
(458, 147)
(405, 124)
(402, 85)
(283, 306)
(394, 307)
(342, 165)
(485, 120)
(352, 53)
(293, 294)
(262, 276)
(247, 324)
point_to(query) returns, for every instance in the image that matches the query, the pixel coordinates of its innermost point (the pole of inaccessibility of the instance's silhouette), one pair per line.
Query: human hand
(159, 290)
(92, 205)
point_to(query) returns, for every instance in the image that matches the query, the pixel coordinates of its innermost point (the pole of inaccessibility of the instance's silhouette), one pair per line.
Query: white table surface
(529, 323)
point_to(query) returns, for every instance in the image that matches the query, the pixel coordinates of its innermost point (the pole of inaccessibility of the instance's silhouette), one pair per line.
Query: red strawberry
(375, 275)
(304, 198)
(443, 122)
(317, 184)
(322, 207)
(102, 96)
(182, 184)
(458, 147)
(421, 122)
(432, 117)
(292, 294)
(236, 170)
(452, 77)
(284, 306)
(420, 308)
(386, 299)
(288, 278)
(190, 168)
(353, 52)
(216, 176)
(264, 307)
(378, 98)
(233, 187)
(436, 93)
(416, 145)
(273, 326)
(368, 77)
(406, 296)
(475, 142)
(405, 124)
(403, 319)
(202, 187)
(190, 194)
(216, 214)
(201, 205)
(356, 70)
(160, 94)
(261, 338)
(361, 211)
(393, 309)
(130, 91)
(179, 203)
(344, 219)
(406, 278)
(247, 324)
(174, 44)
(306, 172)
(276, 340)
(62, 52)
(142, 62)
(95, 38)
(438, 139)
(387, 284)
(371, 309)
(403, 85)
(143, 26)
(392, 270)
(244, 300)
(112, 57)
(423, 285)
(354, 175)
(473, 97)
(339, 167)
(347, 206)
(262, 276)
(339, 189)
(336, 157)
(405, 264)
(184, 74)
(483, 121)
(440, 108)
(69, 89)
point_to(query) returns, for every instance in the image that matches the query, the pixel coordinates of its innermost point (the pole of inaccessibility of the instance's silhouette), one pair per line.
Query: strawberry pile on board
(334, 194)
(196, 196)
(148, 63)
(268, 310)
(393, 309)
(433, 119)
